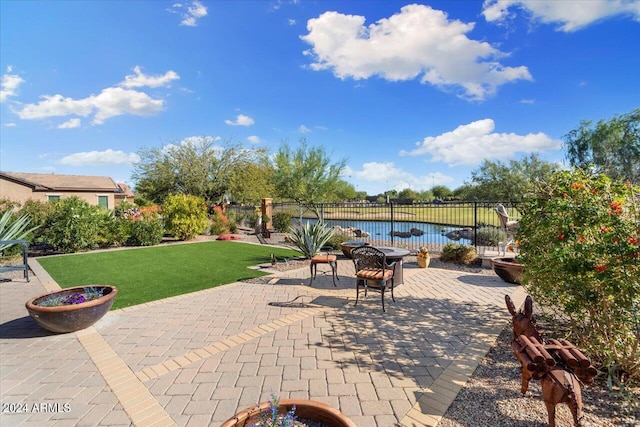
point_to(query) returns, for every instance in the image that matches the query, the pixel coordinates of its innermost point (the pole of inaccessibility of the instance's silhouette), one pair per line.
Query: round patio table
(395, 254)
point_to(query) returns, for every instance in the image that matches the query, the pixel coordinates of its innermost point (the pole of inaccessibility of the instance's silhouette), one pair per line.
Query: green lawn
(147, 274)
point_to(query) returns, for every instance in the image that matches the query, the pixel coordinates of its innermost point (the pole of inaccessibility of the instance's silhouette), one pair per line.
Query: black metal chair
(372, 271)
(324, 259)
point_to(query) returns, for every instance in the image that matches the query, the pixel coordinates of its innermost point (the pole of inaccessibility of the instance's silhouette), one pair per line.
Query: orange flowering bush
(579, 238)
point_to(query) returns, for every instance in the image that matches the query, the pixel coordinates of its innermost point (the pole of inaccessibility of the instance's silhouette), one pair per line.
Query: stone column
(267, 213)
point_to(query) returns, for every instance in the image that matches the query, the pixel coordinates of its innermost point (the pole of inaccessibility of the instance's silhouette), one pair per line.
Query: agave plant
(310, 238)
(13, 230)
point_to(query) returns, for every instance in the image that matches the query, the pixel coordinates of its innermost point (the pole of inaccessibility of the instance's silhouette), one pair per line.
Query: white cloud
(96, 158)
(10, 124)
(115, 101)
(254, 139)
(392, 177)
(139, 79)
(241, 120)
(70, 124)
(469, 144)
(9, 85)
(418, 42)
(193, 12)
(568, 15)
(111, 102)
(292, 22)
(304, 129)
(56, 106)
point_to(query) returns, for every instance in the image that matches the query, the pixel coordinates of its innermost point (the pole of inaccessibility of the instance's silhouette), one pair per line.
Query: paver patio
(196, 359)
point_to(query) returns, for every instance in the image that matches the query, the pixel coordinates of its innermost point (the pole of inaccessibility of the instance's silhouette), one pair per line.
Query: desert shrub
(145, 231)
(281, 221)
(185, 216)
(141, 202)
(111, 231)
(39, 213)
(336, 239)
(236, 218)
(218, 224)
(461, 254)
(253, 219)
(580, 243)
(8, 205)
(489, 236)
(73, 225)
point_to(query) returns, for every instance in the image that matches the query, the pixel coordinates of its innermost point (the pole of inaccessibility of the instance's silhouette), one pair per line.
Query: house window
(53, 199)
(103, 201)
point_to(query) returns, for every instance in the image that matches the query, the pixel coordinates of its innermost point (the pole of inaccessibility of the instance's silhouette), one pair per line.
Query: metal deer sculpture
(560, 374)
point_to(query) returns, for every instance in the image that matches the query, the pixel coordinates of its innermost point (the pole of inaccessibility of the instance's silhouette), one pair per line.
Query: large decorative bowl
(349, 245)
(72, 317)
(508, 269)
(306, 409)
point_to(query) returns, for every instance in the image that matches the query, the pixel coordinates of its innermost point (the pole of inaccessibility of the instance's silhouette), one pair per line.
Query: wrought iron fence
(403, 225)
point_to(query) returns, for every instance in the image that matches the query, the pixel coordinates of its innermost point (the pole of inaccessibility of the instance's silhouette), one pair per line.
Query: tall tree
(498, 181)
(441, 191)
(408, 194)
(196, 166)
(306, 175)
(343, 191)
(612, 147)
(252, 182)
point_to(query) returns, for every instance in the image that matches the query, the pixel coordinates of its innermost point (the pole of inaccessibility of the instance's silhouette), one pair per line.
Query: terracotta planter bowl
(308, 409)
(508, 270)
(73, 317)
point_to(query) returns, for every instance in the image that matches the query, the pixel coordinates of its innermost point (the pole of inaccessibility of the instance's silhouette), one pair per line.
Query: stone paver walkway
(196, 359)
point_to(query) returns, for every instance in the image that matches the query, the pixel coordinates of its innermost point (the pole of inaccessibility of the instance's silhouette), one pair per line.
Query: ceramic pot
(306, 409)
(72, 317)
(508, 270)
(424, 262)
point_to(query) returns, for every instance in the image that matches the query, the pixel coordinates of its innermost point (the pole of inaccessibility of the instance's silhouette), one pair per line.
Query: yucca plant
(13, 230)
(310, 238)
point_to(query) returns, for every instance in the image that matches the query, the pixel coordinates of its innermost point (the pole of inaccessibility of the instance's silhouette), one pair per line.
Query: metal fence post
(475, 225)
(392, 223)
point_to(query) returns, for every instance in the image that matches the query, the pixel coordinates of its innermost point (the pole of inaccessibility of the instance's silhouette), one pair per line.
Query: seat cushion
(375, 274)
(318, 259)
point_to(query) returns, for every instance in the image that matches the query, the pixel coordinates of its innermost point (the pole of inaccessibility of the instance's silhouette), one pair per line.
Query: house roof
(55, 182)
(124, 189)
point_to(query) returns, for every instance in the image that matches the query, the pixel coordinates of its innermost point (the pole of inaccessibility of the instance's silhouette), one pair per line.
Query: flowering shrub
(579, 239)
(143, 224)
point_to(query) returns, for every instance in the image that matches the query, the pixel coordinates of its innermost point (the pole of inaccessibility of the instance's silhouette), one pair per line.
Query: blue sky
(412, 94)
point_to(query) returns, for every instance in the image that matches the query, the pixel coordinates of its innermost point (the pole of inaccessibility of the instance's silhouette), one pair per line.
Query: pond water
(433, 233)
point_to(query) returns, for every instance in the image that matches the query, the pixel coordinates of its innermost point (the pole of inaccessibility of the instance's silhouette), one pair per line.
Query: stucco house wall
(20, 187)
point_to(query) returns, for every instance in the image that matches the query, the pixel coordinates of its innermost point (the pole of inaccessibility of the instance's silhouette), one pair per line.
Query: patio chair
(324, 259)
(372, 271)
(509, 228)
